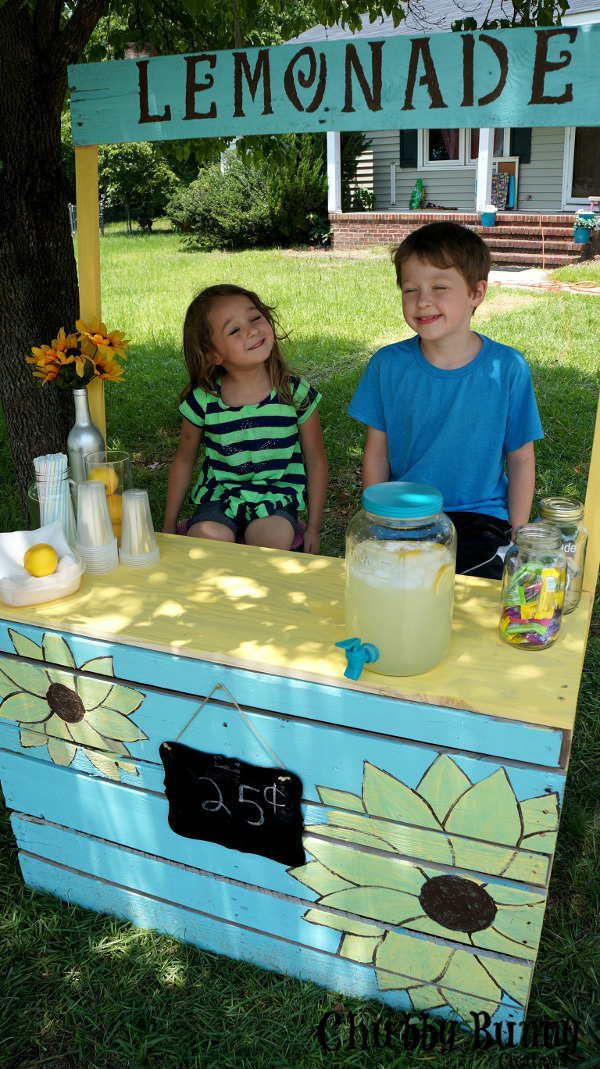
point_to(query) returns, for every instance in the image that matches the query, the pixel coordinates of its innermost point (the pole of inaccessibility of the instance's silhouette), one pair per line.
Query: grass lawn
(86, 990)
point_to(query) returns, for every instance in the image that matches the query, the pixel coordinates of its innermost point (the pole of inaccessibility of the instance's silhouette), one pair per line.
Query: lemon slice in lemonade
(444, 579)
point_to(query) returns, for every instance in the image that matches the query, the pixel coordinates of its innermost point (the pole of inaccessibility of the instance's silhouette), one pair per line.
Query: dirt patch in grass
(372, 252)
(503, 302)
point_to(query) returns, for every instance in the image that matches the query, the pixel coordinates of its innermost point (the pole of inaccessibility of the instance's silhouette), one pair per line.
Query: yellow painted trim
(282, 613)
(592, 513)
(88, 258)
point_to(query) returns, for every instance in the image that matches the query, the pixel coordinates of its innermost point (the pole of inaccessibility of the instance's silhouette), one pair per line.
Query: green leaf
(343, 924)
(378, 903)
(341, 799)
(102, 666)
(386, 796)
(25, 708)
(24, 646)
(489, 804)
(56, 650)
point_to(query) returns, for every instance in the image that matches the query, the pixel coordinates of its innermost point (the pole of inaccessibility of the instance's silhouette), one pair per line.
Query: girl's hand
(311, 541)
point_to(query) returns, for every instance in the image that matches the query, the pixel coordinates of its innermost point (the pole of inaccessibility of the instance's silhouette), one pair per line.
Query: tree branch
(46, 23)
(78, 30)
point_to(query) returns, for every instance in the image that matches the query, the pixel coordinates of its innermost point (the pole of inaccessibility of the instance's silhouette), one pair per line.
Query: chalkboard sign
(241, 806)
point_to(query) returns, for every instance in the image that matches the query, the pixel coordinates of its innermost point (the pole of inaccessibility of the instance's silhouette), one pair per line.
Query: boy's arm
(376, 461)
(520, 469)
(315, 462)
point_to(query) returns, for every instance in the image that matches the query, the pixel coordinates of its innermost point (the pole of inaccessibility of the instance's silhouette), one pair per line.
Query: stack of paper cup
(95, 539)
(138, 542)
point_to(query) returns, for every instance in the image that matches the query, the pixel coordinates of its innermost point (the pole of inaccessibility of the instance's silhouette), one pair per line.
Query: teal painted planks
(323, 755)
(187, 925)
(493, 79)
(138, 820)
(441, 727)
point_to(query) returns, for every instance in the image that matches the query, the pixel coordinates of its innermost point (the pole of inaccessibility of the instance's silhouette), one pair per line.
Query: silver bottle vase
(84, 436)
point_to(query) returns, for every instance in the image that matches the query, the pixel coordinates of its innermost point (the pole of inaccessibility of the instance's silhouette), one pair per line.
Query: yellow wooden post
(592, 513)
(88, 258)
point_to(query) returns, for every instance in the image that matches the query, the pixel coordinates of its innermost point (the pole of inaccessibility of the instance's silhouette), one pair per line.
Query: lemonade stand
(429, 804)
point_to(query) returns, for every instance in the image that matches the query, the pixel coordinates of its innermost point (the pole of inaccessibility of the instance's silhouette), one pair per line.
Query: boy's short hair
(446, 245)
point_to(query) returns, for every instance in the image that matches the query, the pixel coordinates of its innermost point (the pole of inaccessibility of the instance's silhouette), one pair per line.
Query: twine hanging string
(221, 686)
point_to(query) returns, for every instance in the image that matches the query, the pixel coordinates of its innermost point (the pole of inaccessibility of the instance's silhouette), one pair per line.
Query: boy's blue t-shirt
(451, 429)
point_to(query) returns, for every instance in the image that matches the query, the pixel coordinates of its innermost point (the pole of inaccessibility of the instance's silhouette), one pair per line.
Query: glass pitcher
(400, 567)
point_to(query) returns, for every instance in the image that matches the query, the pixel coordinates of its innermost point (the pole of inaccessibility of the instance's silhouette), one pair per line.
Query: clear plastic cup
(138, 541)
(111, 468)
(94, 529)
(98, 564)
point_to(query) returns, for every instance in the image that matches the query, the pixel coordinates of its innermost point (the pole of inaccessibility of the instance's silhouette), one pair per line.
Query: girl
(260, 425)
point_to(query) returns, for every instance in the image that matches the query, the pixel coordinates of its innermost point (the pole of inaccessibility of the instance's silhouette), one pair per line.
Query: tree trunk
(38, 276)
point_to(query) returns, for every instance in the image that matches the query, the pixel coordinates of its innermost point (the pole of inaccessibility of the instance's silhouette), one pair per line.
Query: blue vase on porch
(581, 235)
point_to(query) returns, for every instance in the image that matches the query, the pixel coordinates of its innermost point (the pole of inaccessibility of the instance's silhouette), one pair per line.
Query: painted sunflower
(64, 711)
(440, 824)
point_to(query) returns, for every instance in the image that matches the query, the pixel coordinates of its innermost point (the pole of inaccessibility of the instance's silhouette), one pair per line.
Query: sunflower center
(461, 905)
(66, 703)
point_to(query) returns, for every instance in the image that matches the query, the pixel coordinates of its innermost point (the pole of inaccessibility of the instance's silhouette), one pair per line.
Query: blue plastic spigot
(358, 654)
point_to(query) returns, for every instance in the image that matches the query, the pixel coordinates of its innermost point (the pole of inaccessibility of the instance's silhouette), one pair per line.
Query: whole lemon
(108, 476)
(40, 560)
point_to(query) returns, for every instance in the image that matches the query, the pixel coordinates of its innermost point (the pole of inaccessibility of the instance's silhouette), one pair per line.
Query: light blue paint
(233, 903)
(392, 83)
(320, 754)
(134, 819)
(300, 962)
(443, 728)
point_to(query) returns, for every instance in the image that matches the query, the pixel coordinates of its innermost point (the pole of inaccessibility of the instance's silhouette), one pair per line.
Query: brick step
(503, 232)
(527, 235)
(533, 244)
(521, 259)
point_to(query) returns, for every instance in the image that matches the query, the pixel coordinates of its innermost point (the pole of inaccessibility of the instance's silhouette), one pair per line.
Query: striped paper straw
(54, 494)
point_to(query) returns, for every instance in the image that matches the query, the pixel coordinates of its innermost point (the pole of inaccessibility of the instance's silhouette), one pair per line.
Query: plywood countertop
(282, 613)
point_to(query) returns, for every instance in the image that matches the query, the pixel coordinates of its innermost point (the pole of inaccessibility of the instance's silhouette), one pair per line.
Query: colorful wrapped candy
(533, 587)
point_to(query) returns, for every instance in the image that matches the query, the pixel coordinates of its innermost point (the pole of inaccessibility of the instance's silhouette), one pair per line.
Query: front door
(582, 166)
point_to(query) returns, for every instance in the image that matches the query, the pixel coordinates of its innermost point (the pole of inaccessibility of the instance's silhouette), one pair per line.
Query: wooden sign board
(519, 77)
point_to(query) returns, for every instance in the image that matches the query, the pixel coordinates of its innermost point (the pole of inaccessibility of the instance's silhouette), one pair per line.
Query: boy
(449, 407)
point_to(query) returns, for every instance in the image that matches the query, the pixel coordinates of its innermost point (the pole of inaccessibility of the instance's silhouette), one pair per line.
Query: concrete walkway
(535, 278)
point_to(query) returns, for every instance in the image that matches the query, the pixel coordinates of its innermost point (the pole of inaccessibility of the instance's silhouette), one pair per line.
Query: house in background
(552, 171)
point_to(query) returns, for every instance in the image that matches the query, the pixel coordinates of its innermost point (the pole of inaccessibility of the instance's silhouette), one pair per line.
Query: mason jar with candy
(533, 587)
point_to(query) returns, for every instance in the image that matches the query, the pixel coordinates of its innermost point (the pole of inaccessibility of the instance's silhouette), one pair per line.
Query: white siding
(540, 182)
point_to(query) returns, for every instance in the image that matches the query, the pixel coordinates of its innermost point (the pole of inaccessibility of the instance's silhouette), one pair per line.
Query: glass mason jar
(533, 587)
(400, 566)
(567, 515)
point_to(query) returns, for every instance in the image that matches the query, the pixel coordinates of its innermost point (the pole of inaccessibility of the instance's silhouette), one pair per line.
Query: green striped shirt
(253, 463)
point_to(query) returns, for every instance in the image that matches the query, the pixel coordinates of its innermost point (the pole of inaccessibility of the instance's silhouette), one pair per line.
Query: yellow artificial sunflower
(74, 359)
(107, 343)
(51, 360)
(64, 711)
(402, 882)
(106, 367)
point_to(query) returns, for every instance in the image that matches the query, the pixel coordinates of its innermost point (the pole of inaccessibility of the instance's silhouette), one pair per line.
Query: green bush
(298, 186)
(136, 177)
(226, 209)
(363, 200)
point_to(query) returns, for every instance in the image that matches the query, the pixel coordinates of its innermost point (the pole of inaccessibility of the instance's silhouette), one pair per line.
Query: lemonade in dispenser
(400, 567)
